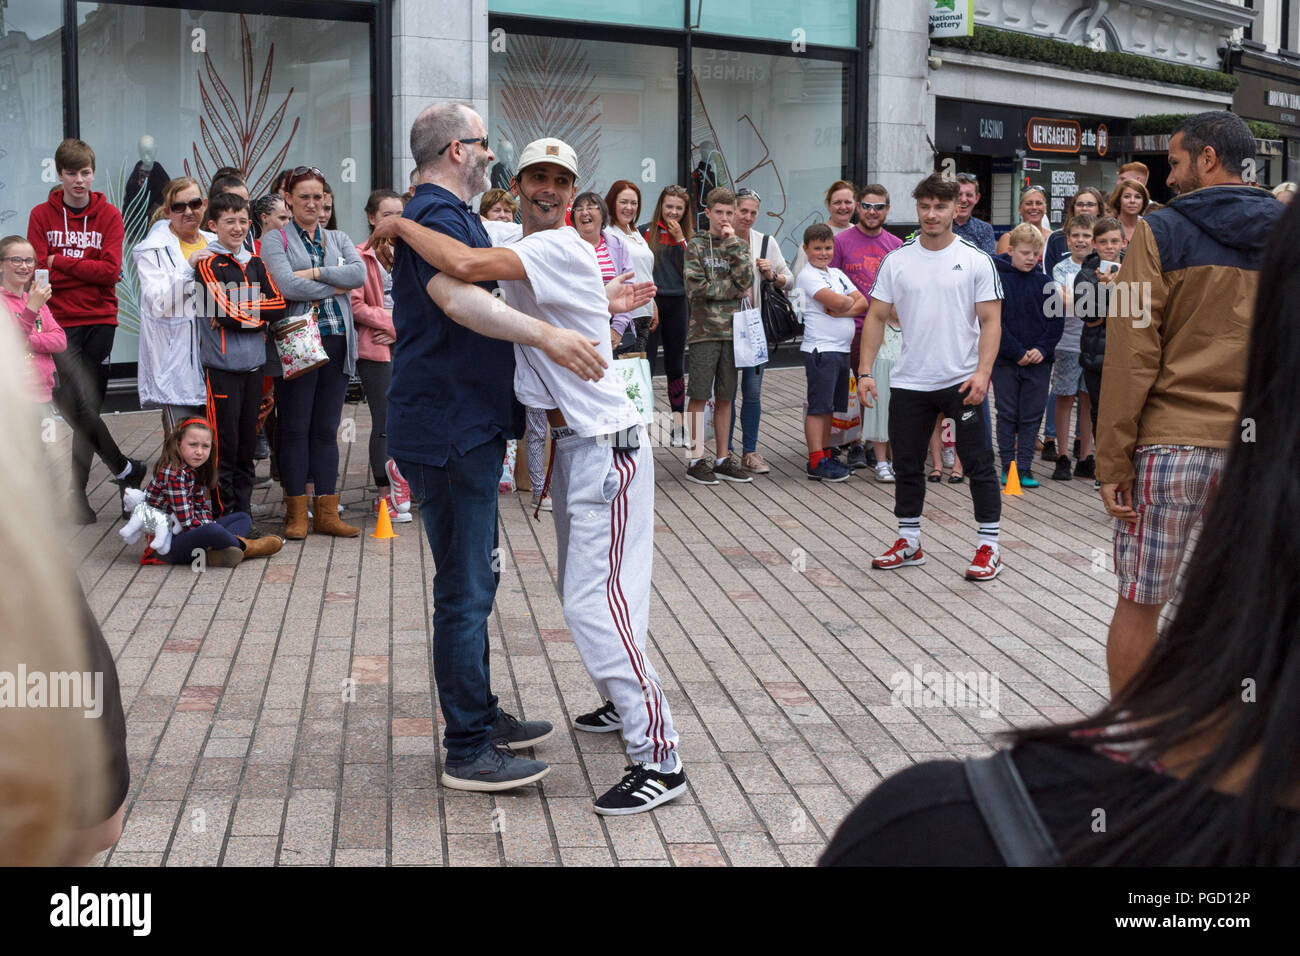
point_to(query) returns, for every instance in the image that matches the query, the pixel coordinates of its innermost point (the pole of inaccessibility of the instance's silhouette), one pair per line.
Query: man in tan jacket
(1175, 365)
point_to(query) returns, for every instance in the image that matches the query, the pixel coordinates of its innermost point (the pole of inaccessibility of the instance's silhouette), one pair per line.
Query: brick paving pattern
(777, 645)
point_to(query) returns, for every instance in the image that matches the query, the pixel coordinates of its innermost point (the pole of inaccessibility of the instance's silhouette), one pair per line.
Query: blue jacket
(1032, 317)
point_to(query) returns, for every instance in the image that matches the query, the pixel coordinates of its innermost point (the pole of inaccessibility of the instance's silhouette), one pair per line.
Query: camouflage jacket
(718, 274)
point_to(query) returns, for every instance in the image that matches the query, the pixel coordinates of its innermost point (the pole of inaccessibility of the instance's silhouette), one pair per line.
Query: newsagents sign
(952, 18)
(1044, 135)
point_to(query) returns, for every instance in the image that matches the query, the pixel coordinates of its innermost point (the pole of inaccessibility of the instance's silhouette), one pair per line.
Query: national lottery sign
(952, 18)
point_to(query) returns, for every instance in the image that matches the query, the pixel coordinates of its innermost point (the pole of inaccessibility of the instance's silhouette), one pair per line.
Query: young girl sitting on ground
(183, 479)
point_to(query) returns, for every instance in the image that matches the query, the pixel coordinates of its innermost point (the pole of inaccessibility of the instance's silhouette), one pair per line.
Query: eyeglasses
(467, 142)
(302, 172)
(874, 206)
(675, 191)
(194, 205)
(18, 261)
(745, 192)
(967, 178)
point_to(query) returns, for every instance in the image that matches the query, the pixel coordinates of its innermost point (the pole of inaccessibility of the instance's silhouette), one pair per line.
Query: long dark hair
(1226, 671)
(652, 228)
(206, 473)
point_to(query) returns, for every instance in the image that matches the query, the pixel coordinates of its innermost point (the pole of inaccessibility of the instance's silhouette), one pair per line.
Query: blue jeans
(1021, 392)
(751, 408)
(222, 533)
(458, 505)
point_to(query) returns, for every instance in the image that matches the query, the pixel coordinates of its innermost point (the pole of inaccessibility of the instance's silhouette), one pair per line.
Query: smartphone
(42, 277)
(1108, 266)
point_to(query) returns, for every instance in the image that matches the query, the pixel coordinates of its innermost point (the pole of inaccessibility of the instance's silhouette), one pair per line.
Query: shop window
(31, 106)
(212, 89)
(821, 22)
(775, 124)
(637, 13)
(614, 103)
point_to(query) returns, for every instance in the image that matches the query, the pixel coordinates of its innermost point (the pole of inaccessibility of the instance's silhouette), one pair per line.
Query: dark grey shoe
(510, 731)
(857, 457)
(494, 769)
(134, 479)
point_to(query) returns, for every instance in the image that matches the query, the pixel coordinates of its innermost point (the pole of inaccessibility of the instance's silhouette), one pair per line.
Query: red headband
(194, 421)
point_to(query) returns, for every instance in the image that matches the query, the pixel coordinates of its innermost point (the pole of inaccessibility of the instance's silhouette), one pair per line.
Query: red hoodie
(86, 245)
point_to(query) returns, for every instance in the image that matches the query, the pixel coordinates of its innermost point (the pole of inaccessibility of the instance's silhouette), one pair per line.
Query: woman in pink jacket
(372, 313)
(43, 336)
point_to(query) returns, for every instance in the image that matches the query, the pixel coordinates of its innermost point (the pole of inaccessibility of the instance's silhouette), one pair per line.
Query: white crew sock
(988, 534)
(909, 529)
(719, 461)
(126, 471)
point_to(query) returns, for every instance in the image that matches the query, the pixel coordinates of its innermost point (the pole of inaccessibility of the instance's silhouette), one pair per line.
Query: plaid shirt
(178, 492)
(329, 317)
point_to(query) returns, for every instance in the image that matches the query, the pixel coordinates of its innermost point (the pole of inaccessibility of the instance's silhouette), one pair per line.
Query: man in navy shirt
(451, 408)
(964, 222)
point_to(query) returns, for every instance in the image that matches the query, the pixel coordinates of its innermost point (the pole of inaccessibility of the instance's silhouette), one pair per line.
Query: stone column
(440, 52)
(900, 107)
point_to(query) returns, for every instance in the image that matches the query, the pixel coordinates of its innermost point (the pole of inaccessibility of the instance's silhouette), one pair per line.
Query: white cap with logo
(549, 151)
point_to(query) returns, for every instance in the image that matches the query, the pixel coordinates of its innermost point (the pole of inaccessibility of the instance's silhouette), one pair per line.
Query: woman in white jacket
(170, 376)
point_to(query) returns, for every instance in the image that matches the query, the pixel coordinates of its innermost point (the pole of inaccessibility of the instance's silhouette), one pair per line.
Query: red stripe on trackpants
(618, 602)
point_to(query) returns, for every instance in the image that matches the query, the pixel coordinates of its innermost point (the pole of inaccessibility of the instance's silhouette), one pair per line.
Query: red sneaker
(395, 516)
(986, 566)
(899, 556)
(400, 494)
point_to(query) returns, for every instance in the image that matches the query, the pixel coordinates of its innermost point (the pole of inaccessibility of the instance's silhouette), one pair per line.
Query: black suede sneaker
(603, 720)
(1086, 468)
(1049, 451)
(644, 788)
(857, 457)
(1062, 472)
(494, 769)
(510, 731)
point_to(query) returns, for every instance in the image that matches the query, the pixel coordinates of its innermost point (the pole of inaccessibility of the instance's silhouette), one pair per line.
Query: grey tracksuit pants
(603, 504)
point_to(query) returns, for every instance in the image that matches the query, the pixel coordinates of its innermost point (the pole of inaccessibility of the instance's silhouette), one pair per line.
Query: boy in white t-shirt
(947, 295)
(602, 483)
(829, 301)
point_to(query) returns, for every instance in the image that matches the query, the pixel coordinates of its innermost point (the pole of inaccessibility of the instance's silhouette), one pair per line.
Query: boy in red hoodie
(77, 236)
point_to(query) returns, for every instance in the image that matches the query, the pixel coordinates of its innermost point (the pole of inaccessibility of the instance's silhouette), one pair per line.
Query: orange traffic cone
(1012, 488)
(384, 527)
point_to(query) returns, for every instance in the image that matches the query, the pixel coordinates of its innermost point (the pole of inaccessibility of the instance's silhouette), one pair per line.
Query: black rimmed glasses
(467, 142)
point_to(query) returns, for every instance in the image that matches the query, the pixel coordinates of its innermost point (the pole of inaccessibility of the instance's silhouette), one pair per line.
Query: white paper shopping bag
(749, 337)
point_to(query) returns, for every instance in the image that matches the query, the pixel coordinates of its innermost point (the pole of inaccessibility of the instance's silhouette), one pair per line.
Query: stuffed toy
(146, 518)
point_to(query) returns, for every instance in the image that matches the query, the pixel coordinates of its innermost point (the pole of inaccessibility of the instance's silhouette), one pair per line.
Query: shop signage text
(952, 18)
(1052, 135)
(1290, 101)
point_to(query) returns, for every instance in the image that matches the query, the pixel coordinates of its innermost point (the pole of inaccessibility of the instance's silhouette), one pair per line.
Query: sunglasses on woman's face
(193, 204)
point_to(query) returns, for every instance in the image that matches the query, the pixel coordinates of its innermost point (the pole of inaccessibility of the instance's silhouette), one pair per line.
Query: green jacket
(718, 274)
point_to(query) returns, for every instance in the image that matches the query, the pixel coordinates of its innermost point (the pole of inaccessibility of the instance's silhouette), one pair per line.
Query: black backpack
(780, 321)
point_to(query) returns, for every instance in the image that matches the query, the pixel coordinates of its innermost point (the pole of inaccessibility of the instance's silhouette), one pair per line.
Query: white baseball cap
(549, 151)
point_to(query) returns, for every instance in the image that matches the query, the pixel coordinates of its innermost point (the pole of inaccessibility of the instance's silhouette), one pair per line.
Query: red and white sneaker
(399, 497)
(395, 516)
(899, 556)
(986, 566)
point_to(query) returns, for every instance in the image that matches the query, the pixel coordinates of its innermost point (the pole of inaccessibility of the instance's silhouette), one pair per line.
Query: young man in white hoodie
(603, 478)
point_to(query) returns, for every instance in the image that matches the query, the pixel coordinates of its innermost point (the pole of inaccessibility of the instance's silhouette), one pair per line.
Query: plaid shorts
(1172, 485)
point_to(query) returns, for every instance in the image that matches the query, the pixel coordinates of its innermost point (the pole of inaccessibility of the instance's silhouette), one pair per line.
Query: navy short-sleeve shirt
(452, 389)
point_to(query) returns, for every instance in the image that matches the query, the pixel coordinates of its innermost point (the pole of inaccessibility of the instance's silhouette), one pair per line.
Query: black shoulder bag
(1009, 813)
(780, 323)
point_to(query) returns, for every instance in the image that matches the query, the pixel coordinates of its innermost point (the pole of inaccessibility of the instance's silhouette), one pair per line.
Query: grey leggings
(375, 379)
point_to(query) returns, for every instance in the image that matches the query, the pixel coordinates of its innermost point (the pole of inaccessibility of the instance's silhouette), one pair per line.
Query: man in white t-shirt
(830, 303)
(948, 297)
(602, 483)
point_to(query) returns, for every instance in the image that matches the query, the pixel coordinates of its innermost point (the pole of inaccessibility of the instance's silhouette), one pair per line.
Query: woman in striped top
(590, 218)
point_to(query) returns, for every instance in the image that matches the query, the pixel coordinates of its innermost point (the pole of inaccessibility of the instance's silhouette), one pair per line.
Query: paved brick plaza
(243, 751)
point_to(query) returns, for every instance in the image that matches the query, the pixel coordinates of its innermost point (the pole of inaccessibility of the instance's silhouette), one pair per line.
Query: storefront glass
(615, 103)
(822, 22)
(637, 13)
(775, 124)
(214, 89)
(31, 106)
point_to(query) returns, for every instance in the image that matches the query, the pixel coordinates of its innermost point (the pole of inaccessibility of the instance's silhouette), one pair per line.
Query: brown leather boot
(263, 547)
(295, 517)
(325, 520)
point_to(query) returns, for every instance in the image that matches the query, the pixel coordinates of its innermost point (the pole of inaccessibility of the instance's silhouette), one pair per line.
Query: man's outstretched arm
(482, 312)
(451, 255)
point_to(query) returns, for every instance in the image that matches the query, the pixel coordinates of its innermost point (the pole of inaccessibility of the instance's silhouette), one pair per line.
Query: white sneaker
(884, 471)
(267, 509)
(949, 457)
(545, 504)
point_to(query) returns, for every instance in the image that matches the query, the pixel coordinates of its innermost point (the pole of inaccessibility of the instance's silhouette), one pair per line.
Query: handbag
(780, 321)
(298, 342)
(634, 375)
